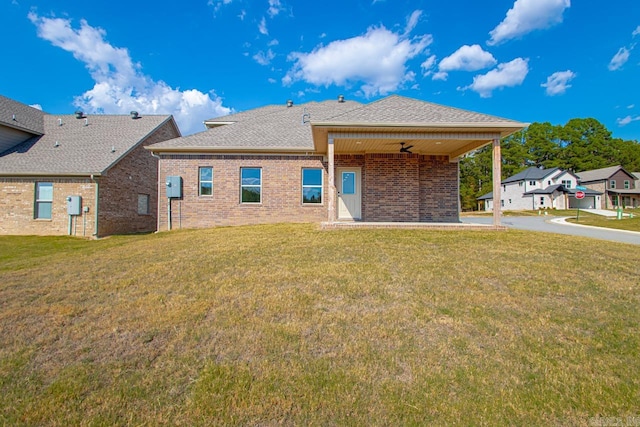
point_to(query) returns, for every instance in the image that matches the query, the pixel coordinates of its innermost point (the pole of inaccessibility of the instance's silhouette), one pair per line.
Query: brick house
(619, 186)
(94, 167)
(392, 160)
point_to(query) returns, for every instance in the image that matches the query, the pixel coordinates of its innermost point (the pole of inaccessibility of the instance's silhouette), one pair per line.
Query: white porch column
(331, 203)
(497, 172)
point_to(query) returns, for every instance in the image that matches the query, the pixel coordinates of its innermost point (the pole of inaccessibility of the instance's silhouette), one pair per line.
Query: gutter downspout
(95, 230)
(158, 196)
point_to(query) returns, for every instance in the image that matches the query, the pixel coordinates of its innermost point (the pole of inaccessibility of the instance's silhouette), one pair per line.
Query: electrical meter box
(74, 205)
(174, 187)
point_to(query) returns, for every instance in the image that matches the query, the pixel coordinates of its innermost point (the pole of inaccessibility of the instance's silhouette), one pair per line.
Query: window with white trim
(44, 200)
(612, 183)
(250, 185)
(205, 181)
(566, 183)
(627, 184)
(312, 185)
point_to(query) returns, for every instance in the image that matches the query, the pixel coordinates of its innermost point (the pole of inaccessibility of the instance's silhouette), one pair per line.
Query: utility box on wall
(74, 205)
(174, 187)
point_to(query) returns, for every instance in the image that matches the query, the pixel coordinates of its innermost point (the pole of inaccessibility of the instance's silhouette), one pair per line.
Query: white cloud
(264, 58)
(526, 16)
(377, 59)
(626, 120)
(636, 32)
(120, 86)
(412, 21)
(619, 59)
(558, 82)
(466, 58)
(274, 8)
(262, 26)
(509, 74)
(217, 4)
(427, 65)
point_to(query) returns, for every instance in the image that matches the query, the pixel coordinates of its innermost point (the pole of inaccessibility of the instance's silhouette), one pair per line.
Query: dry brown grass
(287, 324)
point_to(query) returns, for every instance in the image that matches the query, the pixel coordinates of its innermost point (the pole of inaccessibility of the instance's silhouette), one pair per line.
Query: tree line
(579, 145)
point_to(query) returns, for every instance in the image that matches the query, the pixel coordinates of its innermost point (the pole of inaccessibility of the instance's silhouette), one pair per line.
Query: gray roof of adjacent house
(77, 147)
(561, 188)
(20, 116)
(533, 173)
(600, 174)
(488, 196)
(289, 128)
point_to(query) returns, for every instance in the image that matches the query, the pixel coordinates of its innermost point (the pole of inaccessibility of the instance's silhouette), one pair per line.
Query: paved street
(557, 225)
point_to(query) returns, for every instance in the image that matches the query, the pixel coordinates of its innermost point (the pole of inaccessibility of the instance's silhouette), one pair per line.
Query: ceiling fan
(404, 149)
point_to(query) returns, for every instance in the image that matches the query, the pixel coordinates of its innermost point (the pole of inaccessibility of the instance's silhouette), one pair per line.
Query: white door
(349, 194)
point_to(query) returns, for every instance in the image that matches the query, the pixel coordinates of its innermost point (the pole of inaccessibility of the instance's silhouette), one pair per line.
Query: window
(205, 177)
(566, 183)
(532, 183)
(502, 203)
(541, 201)
(627, 184)
(44, 200)
(504, 188)
(143, 204)
(549, 182)
(250, 185)
(520, 184)
(311, 185)
(612, 183)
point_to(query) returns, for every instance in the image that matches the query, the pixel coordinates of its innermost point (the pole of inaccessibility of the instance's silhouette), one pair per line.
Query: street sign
(579, 194)
(580, 187)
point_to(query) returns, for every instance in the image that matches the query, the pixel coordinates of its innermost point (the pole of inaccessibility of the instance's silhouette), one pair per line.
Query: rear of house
(393, 160)
(77, 174)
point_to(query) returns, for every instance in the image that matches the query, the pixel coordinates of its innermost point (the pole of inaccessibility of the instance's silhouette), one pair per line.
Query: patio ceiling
(453, 141)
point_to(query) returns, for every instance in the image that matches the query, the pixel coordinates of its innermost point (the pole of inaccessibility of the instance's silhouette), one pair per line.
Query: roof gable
(602, 174)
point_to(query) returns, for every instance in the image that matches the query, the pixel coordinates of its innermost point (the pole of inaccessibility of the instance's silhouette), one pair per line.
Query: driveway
(558, 225)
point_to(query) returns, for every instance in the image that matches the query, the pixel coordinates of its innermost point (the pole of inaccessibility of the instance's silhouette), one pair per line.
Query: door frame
(357, 195)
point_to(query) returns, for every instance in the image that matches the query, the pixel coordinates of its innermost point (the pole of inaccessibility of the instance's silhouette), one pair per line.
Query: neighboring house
(620, 187)
(92, 166)
(392, 160)
(539, 188)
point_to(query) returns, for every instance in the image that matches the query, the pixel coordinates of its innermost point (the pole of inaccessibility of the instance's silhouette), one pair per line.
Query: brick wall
(397, 187)
(119, 188)
(17, 207)
(281, 191)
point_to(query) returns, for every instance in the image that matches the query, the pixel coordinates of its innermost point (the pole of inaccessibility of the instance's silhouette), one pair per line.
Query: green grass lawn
(286, 324)
(626, 223)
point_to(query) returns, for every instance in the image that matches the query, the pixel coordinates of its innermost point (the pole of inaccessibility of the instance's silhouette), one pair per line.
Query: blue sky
(528, 60)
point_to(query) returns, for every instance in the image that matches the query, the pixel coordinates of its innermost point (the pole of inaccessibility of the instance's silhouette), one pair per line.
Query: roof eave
(230, 149)
(505, 128)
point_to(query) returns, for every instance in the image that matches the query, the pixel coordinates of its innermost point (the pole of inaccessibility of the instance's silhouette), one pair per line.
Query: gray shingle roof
(27, 118)
(77, 149)
(272, 127)
(533, 173)
(598, 174)
(278, 127)
(399, 109)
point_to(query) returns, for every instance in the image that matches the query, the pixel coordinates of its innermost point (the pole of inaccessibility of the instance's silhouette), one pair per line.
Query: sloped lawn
(289, 325)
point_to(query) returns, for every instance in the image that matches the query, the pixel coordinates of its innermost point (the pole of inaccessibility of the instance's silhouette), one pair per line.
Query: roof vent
(135, 115)
(340, 98)
(59, 122)
(289, 103)
(113, 149)
(14, 118)
(79, 114)
(86, 121)
(57, 144)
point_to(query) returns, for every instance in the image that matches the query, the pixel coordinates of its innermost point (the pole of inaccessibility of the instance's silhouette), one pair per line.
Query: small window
(44, 200)
(532, 183)
(502, 203)
(520, 184)
(250, 185)
(541, 201)
(143, 204)
(612, 183)
(311, 186)
(509, 201)
(627, 184)
(566, 183)
(205, 177)
(549, 182)
(504, 188)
